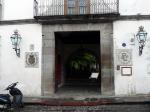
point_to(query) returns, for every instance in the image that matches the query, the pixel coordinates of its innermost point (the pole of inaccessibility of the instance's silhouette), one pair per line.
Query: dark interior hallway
(77, 56)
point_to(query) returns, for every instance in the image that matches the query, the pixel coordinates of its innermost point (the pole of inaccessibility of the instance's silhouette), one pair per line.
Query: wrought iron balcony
(0, 9)
(75, 7)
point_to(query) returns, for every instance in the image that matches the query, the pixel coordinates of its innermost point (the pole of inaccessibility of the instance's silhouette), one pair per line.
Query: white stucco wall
(134, 7)
(12, 68)
(23, 9)
(138, 82)
(17, 9)
(0, 52)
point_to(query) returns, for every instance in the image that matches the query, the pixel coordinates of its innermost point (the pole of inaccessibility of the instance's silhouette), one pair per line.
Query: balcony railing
(0, 9)
(61, 7)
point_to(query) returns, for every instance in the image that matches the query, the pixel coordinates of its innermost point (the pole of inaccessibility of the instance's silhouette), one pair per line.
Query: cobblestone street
(101, 108)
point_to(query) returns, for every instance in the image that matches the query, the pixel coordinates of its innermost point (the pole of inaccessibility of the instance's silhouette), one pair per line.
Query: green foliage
(83, 61)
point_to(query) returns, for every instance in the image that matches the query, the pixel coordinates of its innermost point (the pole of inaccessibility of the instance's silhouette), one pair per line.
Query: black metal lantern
(141, 37)
(16, 39)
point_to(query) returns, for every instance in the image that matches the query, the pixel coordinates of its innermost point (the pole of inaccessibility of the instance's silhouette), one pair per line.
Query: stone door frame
(48, 55)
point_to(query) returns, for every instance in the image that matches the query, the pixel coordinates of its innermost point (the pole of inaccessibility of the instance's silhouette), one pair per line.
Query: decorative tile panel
(32, 59)
(124, 57)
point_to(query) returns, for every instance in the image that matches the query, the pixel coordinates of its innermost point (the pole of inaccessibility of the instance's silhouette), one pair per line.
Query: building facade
(65, 41)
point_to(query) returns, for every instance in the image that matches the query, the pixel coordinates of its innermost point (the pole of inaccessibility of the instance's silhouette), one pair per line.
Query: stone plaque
(32, 59)
(124, 57)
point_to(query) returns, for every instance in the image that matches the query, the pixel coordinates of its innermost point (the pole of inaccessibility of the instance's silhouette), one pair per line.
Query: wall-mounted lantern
(15, 39)
(141, 37)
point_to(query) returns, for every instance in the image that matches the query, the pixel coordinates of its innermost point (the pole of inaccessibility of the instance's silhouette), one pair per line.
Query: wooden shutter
(65, 7)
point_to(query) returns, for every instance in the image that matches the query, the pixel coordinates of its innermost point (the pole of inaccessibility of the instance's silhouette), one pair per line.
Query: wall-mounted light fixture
(15, 39)
(141, 37)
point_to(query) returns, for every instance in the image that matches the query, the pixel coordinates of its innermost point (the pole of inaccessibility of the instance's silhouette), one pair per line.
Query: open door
(57, 71)
(77, 55)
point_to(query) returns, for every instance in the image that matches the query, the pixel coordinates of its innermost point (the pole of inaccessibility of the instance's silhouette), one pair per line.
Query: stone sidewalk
(100, 108)
(83, 101)
(99, 104)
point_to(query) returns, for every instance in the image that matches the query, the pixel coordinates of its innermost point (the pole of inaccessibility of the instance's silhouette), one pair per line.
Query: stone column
(48, 63)
(107, 77)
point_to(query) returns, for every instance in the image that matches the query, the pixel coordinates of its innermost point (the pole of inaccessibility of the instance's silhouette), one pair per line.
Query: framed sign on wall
(126, 71)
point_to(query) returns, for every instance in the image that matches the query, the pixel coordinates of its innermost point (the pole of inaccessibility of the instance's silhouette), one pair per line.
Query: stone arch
(81, 63)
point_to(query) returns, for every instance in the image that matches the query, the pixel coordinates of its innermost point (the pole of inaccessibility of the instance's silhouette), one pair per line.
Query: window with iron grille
(71, 6)
(78, 6)
(82, 7)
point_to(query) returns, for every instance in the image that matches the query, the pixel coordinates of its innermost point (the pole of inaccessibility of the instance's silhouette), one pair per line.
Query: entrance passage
(77, 56)
(80, 65)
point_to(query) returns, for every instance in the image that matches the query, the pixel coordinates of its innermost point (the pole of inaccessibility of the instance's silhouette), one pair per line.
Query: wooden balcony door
(76, 7)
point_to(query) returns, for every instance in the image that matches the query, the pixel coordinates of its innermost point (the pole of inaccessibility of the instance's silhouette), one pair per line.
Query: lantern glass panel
(142, 36)
(13, 40)
(19, 39)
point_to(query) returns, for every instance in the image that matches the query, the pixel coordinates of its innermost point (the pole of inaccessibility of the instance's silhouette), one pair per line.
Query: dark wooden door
(57, 72)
